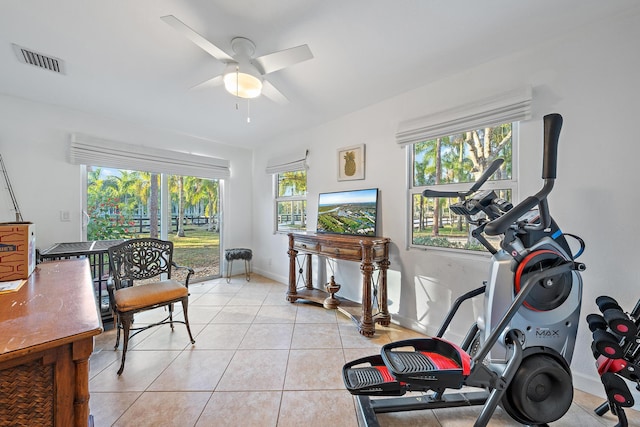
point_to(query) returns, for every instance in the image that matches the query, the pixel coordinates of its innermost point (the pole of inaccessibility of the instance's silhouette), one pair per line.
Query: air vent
(27, 56)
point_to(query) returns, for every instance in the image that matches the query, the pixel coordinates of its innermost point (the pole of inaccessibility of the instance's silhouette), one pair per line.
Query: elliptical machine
(520, 349)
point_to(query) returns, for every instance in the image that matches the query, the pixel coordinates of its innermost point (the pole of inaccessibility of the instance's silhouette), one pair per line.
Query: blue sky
(355, 196)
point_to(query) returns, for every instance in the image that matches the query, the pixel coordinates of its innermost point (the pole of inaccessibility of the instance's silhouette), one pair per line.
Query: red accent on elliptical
(464, 357)
(441, 362)
(386, 376)
(521, 268)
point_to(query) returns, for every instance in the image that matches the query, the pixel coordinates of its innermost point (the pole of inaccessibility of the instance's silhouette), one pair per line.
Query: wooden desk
(365, 250)
(97, 253)
(46, 338)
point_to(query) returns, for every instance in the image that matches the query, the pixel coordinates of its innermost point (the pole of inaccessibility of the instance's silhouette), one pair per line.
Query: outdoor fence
(286, 218)
(142, 224)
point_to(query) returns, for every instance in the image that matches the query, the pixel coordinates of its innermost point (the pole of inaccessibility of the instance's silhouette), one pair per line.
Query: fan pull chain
(237, 86)
(248, 111)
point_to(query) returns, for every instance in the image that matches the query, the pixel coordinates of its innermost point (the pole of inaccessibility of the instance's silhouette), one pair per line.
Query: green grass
(195, 237)
(198, 249)
(459, 239)
(446, 231)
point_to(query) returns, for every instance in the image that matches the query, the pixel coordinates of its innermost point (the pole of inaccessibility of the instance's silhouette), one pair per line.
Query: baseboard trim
(270, 275)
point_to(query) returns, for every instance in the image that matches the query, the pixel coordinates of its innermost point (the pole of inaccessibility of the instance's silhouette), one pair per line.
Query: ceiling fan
(244, 75)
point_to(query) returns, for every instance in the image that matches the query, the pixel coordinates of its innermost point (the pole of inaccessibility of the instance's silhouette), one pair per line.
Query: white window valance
(289, 163)
(508, 107)
(90, 150)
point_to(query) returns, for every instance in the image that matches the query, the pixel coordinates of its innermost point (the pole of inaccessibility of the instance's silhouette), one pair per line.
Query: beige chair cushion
(141, 296)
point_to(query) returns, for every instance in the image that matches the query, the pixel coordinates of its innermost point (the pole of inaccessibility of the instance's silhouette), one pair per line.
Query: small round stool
(238, 253)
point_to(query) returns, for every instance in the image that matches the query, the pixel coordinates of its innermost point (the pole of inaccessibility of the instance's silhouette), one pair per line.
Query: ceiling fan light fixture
(243, 84)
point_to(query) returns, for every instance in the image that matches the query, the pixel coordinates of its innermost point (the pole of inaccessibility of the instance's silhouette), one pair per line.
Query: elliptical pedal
(432, 364)
(372, 380)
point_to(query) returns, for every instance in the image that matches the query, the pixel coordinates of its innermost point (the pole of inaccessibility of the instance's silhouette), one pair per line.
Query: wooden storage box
(17, 250)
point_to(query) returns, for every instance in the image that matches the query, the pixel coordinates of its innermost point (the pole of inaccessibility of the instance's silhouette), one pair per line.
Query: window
(452, 163)
(291, 200)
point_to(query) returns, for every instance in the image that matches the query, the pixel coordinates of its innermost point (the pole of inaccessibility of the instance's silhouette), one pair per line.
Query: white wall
(590, 77)
(34, 141)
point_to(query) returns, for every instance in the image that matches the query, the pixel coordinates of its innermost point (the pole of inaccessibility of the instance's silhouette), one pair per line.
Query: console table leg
(309, 275)
(383, 317)
(291, 292)
(367, 326)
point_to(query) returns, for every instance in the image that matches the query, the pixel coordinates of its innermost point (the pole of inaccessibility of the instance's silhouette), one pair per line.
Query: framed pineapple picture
(351, 163)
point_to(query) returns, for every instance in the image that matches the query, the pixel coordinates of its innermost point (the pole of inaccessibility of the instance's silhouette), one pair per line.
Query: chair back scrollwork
(140, 259)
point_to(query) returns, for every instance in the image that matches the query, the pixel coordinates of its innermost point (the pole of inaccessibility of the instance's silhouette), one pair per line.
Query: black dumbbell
(596, 322)
(607, 344)
(620, 323)
(617, 391)
(594, 350)
(604, 303)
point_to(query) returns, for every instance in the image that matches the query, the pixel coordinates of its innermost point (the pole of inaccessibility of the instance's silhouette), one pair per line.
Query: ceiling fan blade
(216, 81)
(200, 41)
(284, 58)
(273, 94)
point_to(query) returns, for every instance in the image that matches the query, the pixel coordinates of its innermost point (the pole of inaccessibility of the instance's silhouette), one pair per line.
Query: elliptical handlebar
(502, 224)
(493, 167)
(552, 127)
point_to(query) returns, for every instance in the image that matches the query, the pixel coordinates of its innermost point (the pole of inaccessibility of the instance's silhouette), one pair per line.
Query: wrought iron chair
(135, 285)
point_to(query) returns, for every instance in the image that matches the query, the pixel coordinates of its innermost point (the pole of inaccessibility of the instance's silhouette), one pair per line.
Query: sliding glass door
(123, 204)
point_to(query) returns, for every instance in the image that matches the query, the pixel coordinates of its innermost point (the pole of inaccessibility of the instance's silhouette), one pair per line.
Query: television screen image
(348, 212)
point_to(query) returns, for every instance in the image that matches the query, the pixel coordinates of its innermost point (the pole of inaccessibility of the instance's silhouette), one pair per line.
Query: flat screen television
(348, 212)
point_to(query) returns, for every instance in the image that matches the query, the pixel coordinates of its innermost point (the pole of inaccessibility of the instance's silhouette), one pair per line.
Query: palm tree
(153, 205)
(202, 190)
(423, 175)
(438, 173)
(486, 145)
(127, 194)
(147, 192)
(292, 183)
(105, 206)
(181, 203)
(95, 185)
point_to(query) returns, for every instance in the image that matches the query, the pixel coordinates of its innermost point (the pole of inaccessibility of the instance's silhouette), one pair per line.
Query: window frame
(283, 199)
(412, 190)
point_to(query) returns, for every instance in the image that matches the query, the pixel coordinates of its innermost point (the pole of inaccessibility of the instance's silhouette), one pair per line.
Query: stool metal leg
(229, 267)
(247, 271)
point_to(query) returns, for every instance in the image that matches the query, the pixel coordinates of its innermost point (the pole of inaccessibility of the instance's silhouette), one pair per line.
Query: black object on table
(97, 252)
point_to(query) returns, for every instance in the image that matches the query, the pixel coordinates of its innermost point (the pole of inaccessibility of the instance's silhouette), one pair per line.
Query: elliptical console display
(520, 349)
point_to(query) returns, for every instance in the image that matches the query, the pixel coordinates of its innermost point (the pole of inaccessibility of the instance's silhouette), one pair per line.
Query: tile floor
(258, 361)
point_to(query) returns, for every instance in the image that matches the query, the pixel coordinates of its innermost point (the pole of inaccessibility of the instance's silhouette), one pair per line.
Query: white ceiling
(123, 62)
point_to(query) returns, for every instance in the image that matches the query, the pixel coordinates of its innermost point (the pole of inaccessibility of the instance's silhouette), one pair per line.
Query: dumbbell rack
(616, 348)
